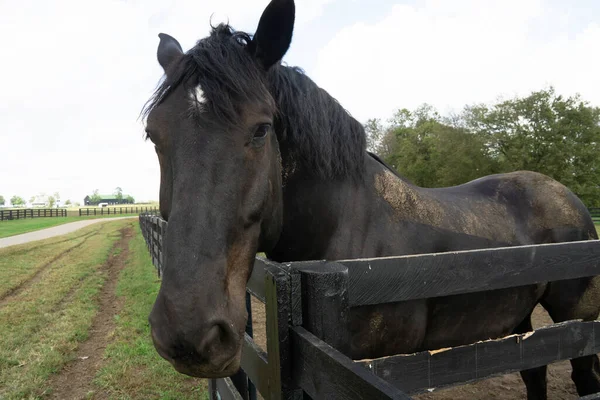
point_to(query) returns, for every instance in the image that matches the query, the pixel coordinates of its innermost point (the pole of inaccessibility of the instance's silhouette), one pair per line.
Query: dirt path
(51, 232)
(75, 380)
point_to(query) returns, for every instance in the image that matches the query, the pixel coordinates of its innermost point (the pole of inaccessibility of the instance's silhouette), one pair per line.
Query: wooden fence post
(281, 312)
(325, 304)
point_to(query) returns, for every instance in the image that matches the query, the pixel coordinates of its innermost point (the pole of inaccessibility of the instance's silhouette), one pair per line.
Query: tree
(119, 194)
(130, 199)
(432, 151)
(546, 133)
(95, 198)
(31, 199)
(374, 131)
(411, 151)
(17, 201)
(76, 204)
(67, 202)
(51, 201)
(2, 201)
(543, 132)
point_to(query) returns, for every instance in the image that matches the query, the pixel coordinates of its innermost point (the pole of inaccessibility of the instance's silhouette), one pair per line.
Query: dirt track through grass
(43, 320)
(22, 279)
(132, 369)
(75, 379)
(74, 319)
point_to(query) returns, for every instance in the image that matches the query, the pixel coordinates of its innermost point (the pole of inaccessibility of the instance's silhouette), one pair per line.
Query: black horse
(255, 157)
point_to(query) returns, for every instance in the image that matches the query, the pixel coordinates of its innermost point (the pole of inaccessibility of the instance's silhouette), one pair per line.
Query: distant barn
(110, 199)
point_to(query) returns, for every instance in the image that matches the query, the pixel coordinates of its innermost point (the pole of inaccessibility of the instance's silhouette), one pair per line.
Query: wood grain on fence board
(325, 373)
(390, 279)
(325, 303)
(418, 372)
(255, 364)
(227, 390)
(256, 282)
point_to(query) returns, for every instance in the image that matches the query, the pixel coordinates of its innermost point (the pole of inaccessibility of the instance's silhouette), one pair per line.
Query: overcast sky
(75, 74)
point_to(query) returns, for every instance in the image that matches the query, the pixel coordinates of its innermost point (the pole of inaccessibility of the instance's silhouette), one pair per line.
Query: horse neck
(327, 218)
(325, 205)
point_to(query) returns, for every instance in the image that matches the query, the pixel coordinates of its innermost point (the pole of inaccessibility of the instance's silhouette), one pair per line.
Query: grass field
(73, 319)
(18, 226)
(133, 368)
(47, 305)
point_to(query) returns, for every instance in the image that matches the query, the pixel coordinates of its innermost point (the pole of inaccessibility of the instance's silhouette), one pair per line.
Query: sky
(76, 73)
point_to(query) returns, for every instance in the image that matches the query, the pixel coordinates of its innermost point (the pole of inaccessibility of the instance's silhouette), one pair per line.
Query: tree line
(95, 198)
(543, 132)
(18, 201)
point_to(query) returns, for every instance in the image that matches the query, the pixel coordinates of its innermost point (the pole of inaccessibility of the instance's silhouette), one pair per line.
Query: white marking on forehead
(197, 97)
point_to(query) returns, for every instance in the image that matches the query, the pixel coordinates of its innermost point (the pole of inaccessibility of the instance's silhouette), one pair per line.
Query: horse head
(211, 121)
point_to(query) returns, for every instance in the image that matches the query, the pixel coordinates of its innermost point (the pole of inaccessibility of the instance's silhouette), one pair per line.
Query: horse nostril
(219, 339)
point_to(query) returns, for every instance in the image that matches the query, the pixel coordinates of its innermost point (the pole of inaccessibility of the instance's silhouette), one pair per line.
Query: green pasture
(48, 299)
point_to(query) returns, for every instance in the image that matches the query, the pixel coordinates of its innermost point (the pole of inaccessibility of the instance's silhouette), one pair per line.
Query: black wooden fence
(154, 230)
(306, 353)
(6, 215)
(115, 210)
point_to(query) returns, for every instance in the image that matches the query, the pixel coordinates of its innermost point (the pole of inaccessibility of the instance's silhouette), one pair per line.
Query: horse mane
(316, 134)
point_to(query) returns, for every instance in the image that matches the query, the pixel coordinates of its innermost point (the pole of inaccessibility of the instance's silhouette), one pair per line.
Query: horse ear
(169, 50)
(274, 33)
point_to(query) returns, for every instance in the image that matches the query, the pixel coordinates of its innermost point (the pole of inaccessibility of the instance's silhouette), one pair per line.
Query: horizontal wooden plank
(324, 373)
(255, 365)
(390, 279)
(256, 283)
(227, 390)
(429, 370)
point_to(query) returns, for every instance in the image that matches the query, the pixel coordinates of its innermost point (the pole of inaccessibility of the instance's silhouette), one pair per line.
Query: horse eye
(261, 131)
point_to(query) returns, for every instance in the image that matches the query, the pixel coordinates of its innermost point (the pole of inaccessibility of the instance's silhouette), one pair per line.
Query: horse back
(523, 207)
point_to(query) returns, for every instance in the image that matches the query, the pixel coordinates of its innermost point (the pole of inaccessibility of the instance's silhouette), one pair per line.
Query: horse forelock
(318, 136)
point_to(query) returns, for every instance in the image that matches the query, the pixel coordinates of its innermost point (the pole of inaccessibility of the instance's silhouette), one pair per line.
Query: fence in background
(115, 210)
(7, 215)
(154, 230)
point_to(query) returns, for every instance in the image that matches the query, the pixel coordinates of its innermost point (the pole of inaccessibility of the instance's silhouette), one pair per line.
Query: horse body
(256, 157)
(385, 215)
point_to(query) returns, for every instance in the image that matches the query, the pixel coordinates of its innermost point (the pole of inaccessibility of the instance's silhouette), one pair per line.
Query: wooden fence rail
(305, 355)
(7, 215)
(116, 210)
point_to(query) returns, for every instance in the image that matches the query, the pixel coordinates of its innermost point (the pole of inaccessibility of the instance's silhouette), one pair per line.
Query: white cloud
(455, 53)
(75, 75)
